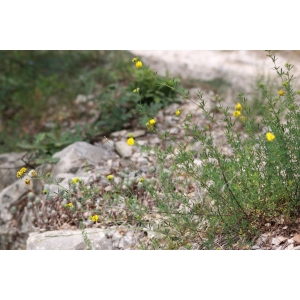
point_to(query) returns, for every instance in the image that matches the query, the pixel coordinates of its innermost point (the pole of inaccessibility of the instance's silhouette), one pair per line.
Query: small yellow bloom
(70, 204)
(236, 113)
(152, 122)
(110, 177)
(33, 173)
(75, 180)
(27, 181)
(130, 141)
(243, 119)
(149, 126)
(138, 64)
(178, 112)
(281, 93)
(135, 59)
(19, 174)
(23, 170)
(142, 179)
(270, 136)
(94, 218)
(238, 107)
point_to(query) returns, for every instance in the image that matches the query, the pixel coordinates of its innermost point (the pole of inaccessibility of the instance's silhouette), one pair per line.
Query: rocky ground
(112, 155)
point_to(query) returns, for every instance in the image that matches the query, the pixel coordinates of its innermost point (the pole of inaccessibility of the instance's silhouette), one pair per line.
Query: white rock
(255, 247)
(123, 149)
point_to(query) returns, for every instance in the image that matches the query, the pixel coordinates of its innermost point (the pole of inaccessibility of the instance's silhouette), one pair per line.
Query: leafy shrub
(211, 198)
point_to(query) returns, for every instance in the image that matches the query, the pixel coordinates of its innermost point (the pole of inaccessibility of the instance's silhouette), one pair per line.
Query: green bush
(226, 200)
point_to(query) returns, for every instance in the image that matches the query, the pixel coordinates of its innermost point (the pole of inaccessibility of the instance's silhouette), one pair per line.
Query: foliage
(45, 145)
(255, 185)
(39, 88)
(208, 197)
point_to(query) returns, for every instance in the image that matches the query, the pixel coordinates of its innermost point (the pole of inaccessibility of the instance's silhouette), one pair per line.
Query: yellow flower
(243, 119)
(152, 122)
(75, 180)
(178, 112)
(130, 141)
(238, 107)
(70, 204)
(270, 136)
(149, 126)
(33, 173)
(110, 177)
(236, 113)
(94, 218)
(135, 59)
(19, 174)
(27, 181)
(23, 170)
(281, 93)
(138, 64)
(141, 179)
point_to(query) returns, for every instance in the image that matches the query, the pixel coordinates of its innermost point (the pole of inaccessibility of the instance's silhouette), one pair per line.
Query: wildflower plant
(207, 198)
(231, 197)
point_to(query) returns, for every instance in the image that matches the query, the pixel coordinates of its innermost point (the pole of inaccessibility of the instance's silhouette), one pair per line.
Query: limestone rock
(77, 155)
(123, 149)
(101, 239)
(11, 196)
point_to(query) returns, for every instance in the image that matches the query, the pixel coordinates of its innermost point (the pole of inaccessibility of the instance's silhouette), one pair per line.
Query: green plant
(35, 85)
(256, 184)
(45, 145)
(38, 112)
(207, 197)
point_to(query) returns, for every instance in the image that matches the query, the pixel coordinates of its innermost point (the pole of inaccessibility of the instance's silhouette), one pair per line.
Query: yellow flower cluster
(130, 140)
(21, 172)
(110, 177)
(178, 112)
(270, 136)
(238, 107)
(238, 111)
(70, 204)
(94, 218)
(281, 93)
(32, 173)
(27, 181)
(138, 63)
(150, 124)
(75, 180)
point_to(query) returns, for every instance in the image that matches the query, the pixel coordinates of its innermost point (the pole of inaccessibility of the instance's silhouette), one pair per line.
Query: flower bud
(151, 169)
(30, 195)
(13, 210)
